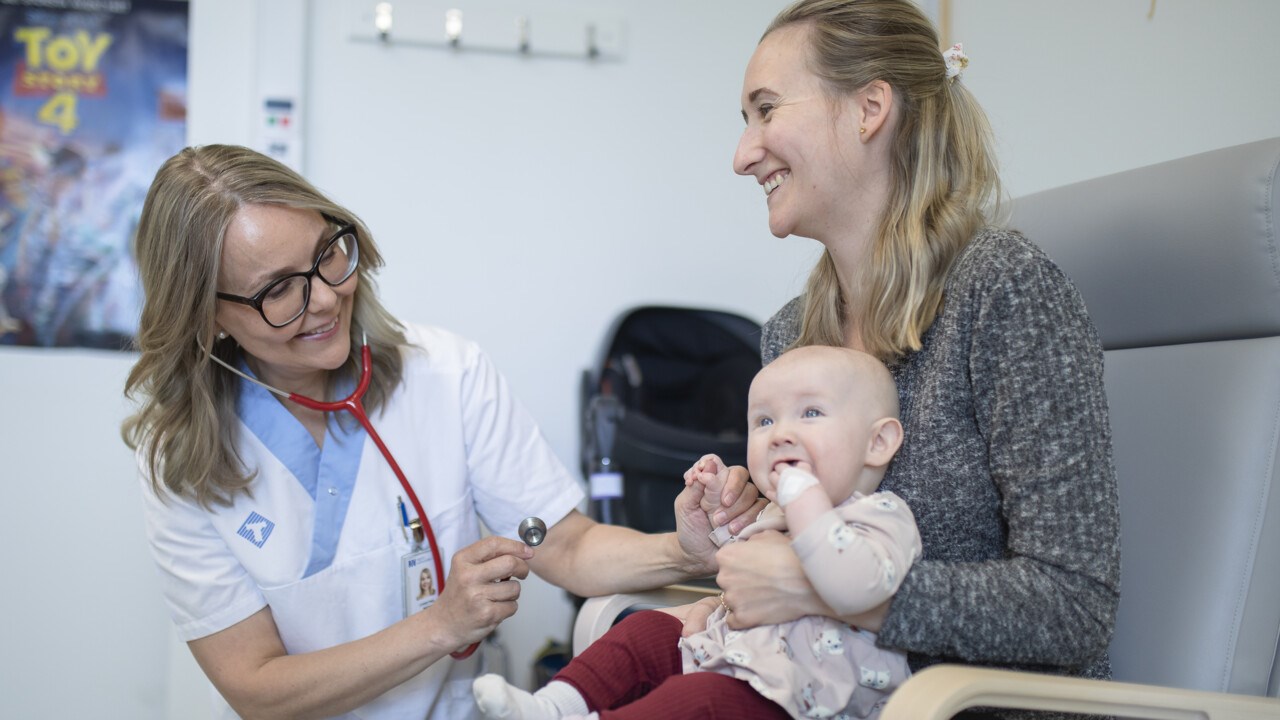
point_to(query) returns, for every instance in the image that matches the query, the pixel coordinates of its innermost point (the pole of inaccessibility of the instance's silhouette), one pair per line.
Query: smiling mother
(864, 137)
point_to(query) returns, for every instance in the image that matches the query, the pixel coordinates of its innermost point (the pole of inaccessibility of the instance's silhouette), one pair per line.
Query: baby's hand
(792, 483)
(710, 463)
(709, 472)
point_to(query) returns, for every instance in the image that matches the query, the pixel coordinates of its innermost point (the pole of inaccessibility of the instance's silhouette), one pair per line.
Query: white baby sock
(498, 700)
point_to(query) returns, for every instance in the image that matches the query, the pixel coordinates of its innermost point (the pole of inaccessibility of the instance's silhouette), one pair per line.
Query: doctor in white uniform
(277, 529)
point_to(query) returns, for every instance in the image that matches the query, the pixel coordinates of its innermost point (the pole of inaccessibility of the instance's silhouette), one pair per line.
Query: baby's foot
(498, 700)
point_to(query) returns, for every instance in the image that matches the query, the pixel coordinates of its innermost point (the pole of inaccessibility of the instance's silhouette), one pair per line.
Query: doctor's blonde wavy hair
(185, 423)
(944, 178)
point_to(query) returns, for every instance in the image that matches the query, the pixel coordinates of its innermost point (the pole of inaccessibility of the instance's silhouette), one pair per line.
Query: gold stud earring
(862, 131)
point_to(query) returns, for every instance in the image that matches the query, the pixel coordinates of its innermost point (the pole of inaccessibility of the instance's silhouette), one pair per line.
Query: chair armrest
(941, 691)
(598, 614)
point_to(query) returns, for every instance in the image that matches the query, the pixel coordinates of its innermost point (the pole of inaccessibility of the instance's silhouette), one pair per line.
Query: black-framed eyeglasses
(284, 299)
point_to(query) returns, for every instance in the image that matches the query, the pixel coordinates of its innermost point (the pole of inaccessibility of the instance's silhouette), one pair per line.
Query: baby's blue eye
(813, 413)
(764, 422)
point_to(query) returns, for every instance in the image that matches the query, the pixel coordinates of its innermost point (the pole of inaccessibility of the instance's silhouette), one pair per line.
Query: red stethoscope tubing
(354, 405)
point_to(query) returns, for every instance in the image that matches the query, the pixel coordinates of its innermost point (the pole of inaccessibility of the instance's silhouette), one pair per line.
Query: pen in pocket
(404, 518)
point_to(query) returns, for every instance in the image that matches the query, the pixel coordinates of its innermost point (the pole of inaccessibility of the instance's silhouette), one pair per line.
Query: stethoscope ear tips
(532, 531)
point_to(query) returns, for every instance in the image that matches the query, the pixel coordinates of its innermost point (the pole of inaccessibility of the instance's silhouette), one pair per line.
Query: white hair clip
(956, 60)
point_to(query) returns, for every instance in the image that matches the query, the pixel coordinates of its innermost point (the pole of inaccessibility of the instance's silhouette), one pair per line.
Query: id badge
(418, 580)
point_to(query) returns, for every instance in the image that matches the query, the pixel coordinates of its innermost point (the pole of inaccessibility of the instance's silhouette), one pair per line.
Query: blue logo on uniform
(256, 529)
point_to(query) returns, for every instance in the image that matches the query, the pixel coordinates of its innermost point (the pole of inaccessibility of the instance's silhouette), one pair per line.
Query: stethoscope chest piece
(532, 530)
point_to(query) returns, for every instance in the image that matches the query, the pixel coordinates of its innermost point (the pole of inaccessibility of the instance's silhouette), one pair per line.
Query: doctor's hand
(737, 506)
(737, 502)
(482, 589)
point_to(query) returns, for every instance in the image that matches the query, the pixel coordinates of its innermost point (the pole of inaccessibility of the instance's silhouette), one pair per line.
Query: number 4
(60, 111)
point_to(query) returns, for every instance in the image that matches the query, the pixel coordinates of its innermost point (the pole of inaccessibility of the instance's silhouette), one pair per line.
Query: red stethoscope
(354, 405)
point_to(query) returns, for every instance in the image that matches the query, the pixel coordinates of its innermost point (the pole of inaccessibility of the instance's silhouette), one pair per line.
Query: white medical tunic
(319, 536)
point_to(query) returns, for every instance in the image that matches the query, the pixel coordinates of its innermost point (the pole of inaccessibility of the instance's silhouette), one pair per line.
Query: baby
(823, 427)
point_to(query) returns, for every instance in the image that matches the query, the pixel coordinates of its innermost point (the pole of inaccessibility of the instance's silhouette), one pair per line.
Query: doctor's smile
(322, 333)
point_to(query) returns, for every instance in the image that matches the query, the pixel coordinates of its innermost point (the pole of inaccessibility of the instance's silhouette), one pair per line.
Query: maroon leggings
(635, 671)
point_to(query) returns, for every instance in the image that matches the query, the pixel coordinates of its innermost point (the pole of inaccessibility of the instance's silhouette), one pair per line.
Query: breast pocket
(353, 598)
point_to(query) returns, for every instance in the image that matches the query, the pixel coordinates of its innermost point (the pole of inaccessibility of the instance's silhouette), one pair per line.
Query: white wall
(525, 203)
(83, 626)
(1085, 88)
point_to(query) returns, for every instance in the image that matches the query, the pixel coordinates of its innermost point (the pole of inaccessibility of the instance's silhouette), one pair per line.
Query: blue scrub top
(328, 474)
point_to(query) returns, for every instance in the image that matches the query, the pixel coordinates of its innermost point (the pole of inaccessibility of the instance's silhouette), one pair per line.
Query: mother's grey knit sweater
(1006, 464)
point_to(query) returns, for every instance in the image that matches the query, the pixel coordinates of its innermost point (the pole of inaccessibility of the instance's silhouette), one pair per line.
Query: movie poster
(92, 101)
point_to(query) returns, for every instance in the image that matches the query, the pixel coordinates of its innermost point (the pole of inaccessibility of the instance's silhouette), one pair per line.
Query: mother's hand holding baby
(764, 585)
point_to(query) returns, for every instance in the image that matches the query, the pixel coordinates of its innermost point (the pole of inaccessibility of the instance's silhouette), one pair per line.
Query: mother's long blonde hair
(186, 419)
(943, 176)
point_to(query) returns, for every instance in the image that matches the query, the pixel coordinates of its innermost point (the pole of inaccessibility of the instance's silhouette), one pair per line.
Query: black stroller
(670, 386)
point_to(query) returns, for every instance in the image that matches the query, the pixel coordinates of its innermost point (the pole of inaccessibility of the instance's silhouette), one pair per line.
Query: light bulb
(453, 24)
(382, 18)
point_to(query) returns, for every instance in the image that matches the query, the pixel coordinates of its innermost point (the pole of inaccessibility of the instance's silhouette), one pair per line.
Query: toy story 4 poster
(92, 101)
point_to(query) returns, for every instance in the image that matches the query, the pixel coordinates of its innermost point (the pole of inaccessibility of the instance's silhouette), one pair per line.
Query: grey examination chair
(1179, 266)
